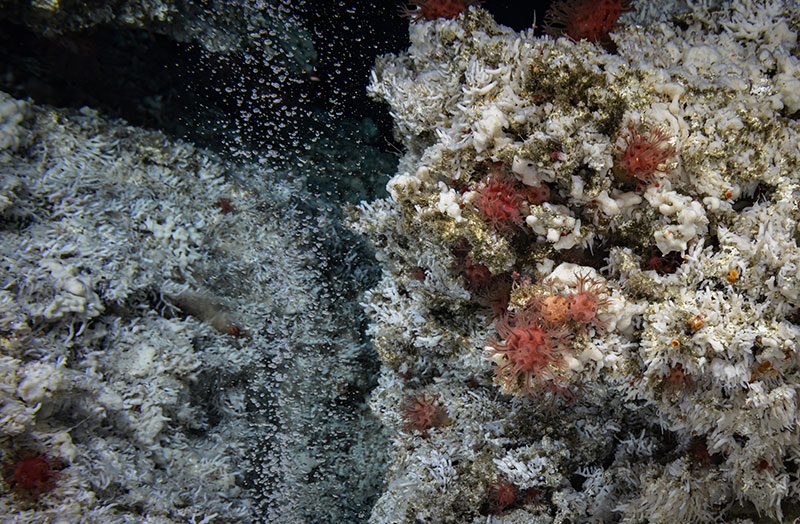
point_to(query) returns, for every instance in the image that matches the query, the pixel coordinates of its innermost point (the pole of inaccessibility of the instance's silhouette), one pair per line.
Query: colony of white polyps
(680, 403)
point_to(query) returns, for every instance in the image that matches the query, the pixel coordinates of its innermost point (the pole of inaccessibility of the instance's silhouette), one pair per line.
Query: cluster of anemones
(534, 345)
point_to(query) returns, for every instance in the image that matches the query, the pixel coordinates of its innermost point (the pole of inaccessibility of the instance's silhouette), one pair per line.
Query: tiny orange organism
(695, 322)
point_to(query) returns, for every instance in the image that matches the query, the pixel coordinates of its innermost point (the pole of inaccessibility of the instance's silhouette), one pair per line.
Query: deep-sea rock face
(167, 321)
(671, 166)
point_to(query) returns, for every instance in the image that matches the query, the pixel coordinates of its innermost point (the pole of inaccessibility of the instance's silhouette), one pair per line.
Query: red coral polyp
(496, 295)
(663, 263)
(489, 290)
(32, 476)
(536, 195)
(423, 413)
(499, 202)
(584, 304)
(502, 495)
(584, 19)
(433, 9)
(641, 155)
(530, 352)
(676, 382)
(478, 276)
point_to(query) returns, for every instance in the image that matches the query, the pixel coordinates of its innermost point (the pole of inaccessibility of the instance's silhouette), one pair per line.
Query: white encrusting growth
(695, 348)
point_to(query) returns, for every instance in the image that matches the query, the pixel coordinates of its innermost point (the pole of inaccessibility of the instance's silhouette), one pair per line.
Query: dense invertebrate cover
(639, 198)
